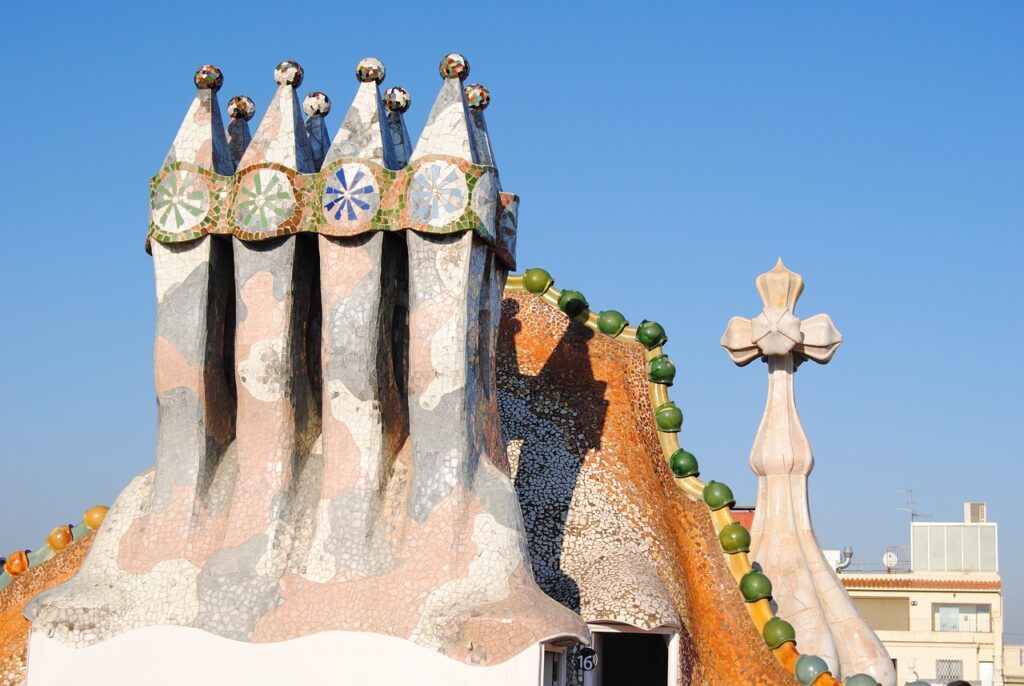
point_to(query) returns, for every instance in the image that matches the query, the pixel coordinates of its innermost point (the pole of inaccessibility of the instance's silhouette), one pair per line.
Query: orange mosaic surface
(14, 627)
(632, 542)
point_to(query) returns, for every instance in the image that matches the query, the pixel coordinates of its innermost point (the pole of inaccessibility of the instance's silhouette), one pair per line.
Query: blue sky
(665, 157)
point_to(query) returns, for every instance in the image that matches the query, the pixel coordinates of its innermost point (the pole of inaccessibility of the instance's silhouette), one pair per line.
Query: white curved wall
(172, 656)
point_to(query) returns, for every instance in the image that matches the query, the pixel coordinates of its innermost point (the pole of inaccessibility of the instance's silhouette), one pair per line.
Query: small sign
(586, 659)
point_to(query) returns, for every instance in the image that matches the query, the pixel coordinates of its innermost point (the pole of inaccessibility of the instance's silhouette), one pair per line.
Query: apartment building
(941, 615)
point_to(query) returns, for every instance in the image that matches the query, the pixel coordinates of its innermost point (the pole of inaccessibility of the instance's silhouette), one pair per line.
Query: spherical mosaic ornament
(370, 69)
(208, 77)
(316, 103)
(397, 99)
(241, 107)
(477, 96)
(288, 73)
(454, 66)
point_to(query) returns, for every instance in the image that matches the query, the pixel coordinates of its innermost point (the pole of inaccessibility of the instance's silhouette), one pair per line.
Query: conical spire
(362, 133)
(317, 105)
(396, 102)
(448, 130)
(281, 135)
(201, 140)
(478, 98)
(241, 109)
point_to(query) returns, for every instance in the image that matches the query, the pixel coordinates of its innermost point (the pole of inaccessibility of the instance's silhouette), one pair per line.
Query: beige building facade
(1013, 664)
(941, 616)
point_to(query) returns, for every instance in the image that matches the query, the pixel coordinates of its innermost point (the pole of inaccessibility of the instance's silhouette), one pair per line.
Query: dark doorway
(633, 659)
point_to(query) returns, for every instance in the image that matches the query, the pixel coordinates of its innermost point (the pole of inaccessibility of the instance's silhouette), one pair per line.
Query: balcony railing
(969, 624)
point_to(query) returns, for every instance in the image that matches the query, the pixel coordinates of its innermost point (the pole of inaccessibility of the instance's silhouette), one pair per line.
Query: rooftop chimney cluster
(291, 176)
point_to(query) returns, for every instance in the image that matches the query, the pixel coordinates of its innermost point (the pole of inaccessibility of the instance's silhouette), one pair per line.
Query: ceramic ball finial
(370, 69)
(241, 107)
(316, 103)
(397, 99)
(209, 77)
(288, 73)
(454, 66)
(477, 97)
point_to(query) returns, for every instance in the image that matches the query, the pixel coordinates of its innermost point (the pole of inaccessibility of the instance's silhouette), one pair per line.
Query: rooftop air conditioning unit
(975, 513)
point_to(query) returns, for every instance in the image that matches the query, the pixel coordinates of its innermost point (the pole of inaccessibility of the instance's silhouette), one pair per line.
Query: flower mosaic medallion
(351, 195)
(438, 194)
(264, 200)
(181, 201)
(485, 200)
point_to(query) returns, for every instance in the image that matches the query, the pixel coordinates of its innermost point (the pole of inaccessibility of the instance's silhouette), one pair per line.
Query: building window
(554, 667)
(971, 618)
(885, 614)
(954, 547)
(949, 670)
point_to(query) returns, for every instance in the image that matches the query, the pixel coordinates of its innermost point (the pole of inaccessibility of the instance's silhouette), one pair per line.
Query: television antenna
(911, 507)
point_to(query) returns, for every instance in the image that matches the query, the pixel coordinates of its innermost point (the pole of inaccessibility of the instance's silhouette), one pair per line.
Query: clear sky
(665, 157)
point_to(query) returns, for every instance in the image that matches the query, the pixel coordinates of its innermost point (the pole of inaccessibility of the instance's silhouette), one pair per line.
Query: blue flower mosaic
(438, 194)
(351, 195)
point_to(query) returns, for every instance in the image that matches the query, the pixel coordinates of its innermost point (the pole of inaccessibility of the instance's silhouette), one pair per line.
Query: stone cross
(777, 331)
(809, 594)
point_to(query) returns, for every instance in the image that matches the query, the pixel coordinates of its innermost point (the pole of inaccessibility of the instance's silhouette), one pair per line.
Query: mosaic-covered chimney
(329, 455)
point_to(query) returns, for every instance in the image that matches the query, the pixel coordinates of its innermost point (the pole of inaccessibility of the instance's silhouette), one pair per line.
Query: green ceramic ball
(718, 495)
(537, 281)
(651, 334)
(661, 370)
(572, 302)
(755, 586)
(668, 417)
(734, 538)
(778, 631)
(683, 464)
(611, 322)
